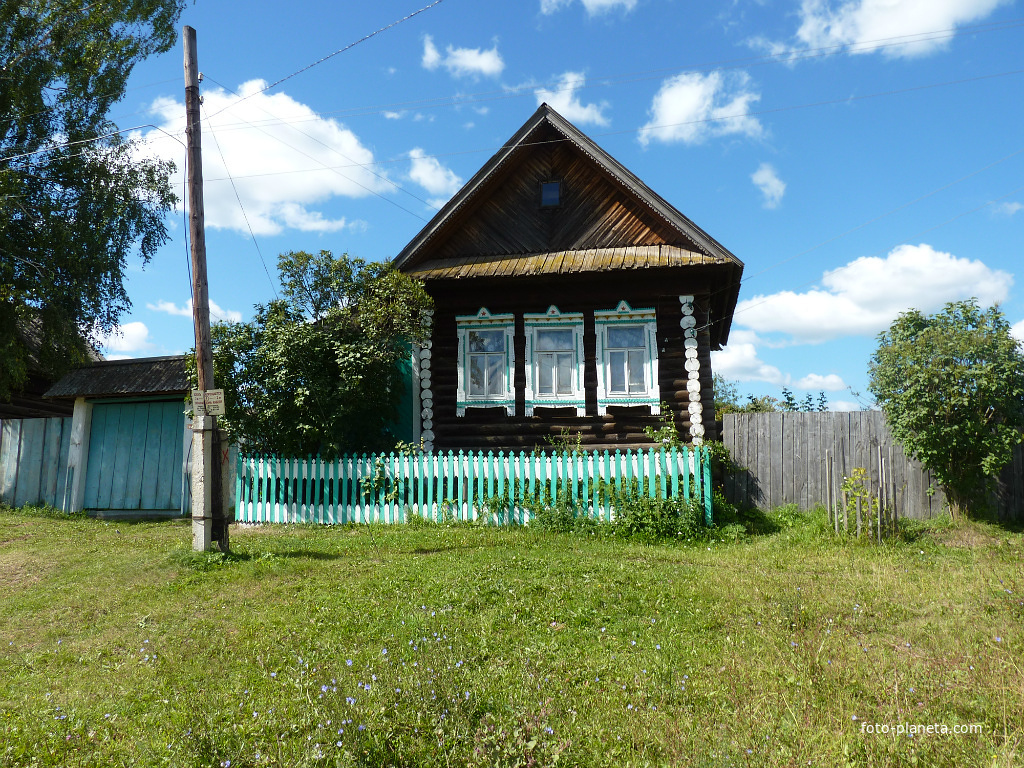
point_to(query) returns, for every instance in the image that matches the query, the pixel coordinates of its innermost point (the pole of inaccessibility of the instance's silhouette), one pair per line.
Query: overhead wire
(351, 45)
(245, 216)
(336, 169)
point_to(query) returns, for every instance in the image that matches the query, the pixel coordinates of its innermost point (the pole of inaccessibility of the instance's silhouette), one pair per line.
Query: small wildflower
(348, 662)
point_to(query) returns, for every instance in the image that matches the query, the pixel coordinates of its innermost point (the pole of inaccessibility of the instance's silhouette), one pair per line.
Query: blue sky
(860, 157)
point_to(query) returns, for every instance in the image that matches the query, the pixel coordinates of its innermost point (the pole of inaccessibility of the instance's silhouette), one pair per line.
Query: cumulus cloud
(594, 7)
(565, 99)
(463, 62)
(870, 25)
(740, 361)
(692, 107)
(772, 187)
(1009, 209)
(185, 310)
(128, 340)
(865, 296)
(435, 178)
(828, 383)
(284, 159)
(1017, 331)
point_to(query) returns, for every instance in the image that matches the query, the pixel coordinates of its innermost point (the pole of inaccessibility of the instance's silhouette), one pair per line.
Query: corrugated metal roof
(561, 262)
(125, 378)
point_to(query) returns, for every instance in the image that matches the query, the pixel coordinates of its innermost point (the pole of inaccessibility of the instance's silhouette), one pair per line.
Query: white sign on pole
(215, 402)
(198, 405)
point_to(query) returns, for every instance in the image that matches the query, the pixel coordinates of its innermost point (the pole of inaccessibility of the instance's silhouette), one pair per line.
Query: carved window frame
(484, 320)
(553, 319)
(624, 315)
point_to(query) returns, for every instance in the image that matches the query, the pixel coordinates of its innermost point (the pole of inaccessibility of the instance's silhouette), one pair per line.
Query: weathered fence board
(388, 487)
(33, 460)
(783, 456)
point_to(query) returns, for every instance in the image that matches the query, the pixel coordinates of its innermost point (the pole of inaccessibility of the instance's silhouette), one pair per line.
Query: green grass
(119, 646)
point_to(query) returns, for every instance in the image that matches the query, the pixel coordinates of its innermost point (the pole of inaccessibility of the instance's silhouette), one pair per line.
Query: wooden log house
(569, 299)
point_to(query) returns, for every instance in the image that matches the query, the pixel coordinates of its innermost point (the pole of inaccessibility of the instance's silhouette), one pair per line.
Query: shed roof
(125, 378)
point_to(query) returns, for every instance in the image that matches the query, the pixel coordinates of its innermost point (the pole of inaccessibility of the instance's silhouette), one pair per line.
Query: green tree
(316, 372)
(76, 199)
(952, 389)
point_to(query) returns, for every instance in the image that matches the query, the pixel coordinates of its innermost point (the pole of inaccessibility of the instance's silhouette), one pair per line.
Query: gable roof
(125, 378)
(689, 238)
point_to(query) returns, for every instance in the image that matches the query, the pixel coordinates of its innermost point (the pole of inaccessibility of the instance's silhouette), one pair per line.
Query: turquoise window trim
(553, 318)
(624, 314)
(484, 320)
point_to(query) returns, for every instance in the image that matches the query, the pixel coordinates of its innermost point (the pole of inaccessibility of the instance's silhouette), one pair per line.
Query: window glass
(552, 340)
(486, 341)
(550, 193)
(628, 336)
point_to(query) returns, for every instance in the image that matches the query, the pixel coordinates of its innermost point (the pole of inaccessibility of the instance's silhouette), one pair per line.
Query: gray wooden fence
(34, 460)
(783, 460)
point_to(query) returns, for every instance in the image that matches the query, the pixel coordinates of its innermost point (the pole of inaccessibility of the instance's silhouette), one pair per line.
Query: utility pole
(209, 523)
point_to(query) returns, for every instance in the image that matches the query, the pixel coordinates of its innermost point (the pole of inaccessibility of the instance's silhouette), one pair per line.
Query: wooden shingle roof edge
(545, 113)
(125, 378)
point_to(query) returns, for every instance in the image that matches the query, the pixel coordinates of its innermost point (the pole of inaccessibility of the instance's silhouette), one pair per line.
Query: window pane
(617, 372)
(636, 371)
(476, 375)
(548, 340)
(550, 193)
(495, 375)
(630, 336)
(545, 372)
(486, 341)
(565, 374)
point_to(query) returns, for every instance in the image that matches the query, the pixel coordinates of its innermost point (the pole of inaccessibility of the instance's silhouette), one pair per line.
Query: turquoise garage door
(135, 456)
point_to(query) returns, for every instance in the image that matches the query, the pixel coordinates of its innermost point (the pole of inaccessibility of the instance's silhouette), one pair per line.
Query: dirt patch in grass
(18, 571)
(967, 537)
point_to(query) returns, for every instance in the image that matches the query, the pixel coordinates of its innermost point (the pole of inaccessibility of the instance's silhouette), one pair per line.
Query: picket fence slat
(500, 488)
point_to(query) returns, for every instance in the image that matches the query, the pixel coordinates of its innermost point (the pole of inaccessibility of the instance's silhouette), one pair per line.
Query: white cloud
(594, 7)
(1008, 209)
(692, 107)
(843, 406)
(463, 62)
(566, 101)
(280, 154)
(431, 56)
(815, 381)
(739, 361)
(772, 187)
(393, 115)
(185, 310)
(1017, 331)
(871, 25)
(866, 295)
(433, 177)
(128, 339)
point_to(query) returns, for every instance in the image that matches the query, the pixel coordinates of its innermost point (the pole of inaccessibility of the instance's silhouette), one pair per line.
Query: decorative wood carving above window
(627, 358)
(487, 363)
(554, 361)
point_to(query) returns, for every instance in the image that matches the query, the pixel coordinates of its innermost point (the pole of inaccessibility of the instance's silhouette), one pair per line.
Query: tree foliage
(727, 400)
(75, 199)
(952, 389)
(316, 372)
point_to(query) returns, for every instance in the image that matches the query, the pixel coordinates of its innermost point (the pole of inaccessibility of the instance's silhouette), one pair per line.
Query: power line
(365, 166)
(242, 207)
(321, 60)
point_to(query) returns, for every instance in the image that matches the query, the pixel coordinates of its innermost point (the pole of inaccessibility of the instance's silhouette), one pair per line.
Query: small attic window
(550, 194)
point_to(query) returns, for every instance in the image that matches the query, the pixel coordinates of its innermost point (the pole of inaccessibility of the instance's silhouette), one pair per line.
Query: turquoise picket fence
(491, 486)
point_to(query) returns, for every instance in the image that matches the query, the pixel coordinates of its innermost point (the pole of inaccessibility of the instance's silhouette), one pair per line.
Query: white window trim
(623, 314)
(484, 320)
(553, 318)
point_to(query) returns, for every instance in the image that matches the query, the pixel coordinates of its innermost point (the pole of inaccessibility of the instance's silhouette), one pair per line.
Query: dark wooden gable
(604, 207)
(505, 215)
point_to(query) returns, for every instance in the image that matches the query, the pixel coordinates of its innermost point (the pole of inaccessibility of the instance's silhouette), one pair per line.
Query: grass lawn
(459, 645)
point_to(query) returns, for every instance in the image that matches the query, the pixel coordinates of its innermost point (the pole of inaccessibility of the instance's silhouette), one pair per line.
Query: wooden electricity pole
(208, 520)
